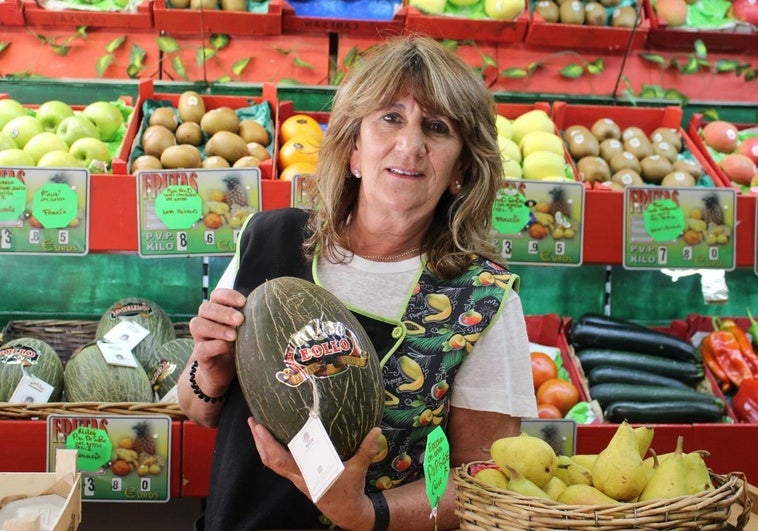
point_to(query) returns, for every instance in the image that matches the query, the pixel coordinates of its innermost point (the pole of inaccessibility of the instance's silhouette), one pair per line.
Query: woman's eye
(438, 127)
(390, 117)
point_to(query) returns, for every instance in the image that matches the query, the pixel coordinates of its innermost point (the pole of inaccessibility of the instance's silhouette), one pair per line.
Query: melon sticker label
(44, 211)
(679, 228)
(195, 212)
(538, 222)
(121, 457)
(321, 349)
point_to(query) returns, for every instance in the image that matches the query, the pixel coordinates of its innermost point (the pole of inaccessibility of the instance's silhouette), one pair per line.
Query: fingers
(368, 448)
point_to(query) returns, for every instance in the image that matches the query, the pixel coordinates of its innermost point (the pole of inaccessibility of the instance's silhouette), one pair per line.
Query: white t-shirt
(496, 376)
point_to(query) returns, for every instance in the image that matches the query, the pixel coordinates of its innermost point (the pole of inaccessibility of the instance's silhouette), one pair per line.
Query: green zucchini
(689, 372)
(612, 374)
(607, 393)
(594, 333)
(672, 412)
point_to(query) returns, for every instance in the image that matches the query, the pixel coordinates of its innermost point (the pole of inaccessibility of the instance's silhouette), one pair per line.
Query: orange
(298, 168)
(559, 393)
(299, 149)
(548, 411)
(300, 125)
(543, 368)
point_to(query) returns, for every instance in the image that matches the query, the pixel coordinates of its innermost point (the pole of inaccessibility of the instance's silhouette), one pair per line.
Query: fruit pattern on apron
(443, 321)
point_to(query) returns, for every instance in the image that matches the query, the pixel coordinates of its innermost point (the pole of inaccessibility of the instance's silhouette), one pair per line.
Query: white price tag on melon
(31, 390)
(117, 354)
(126, 333)
(316, 457)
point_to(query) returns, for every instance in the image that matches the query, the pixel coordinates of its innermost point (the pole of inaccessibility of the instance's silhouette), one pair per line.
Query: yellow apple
(508, 149)
(534, 120)
(503, 126)
(432, 7)
(541, 141)
(542, 164)
(512, 169)
(504, 9)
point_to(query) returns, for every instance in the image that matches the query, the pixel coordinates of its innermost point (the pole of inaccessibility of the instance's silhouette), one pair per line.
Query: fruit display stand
(261, 18)
(11, 13)
(462, 28)
(343, 17)
(140, 18)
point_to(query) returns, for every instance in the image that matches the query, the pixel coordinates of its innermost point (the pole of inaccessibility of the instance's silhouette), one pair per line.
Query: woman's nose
(411, 139)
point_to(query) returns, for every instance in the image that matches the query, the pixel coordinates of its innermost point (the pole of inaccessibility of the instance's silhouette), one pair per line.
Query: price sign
(194, 212)
(538, 222)
(44, 211)
(679, 228)
(436, 467)
(122, 458)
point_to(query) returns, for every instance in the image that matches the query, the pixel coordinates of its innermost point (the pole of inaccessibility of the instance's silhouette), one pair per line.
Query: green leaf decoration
(220, 40)
(302, 64)
(224, 79)
(61, 49)
(137, 54)
(673, 94)
(514, 73)
(488, 60)
(726, 65)
(41, 38)
(350, 56)
(533, 67)
(691, 67)
(4, 45)
(133, 71)
(283, 51)
(167, 44)
(288, 81)
(103, 63)
(203, 54)
(451, 44)
(700, 49)
(338, 77)
(81, 31)
(239, 65)
(115, 44)
(751, 75)
(596, 67)
(178, 66)
(653, 58)
(651, 92)
(572, 71)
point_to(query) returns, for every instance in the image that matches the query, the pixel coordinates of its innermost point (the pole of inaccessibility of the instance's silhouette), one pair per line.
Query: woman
(408, 171)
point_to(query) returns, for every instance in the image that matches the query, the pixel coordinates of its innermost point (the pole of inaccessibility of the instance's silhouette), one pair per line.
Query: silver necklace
(389, 257)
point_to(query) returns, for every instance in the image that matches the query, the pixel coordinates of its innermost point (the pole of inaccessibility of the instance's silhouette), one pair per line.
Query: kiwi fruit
(155, 139)
(181, 156)
(215, 161)
(146, 162)
(164, 116)
(179, 4)
(633, 132)
(228, 145)
(234, 5)
(203, 4)
(639, 147)
(220, 119)
(609, 147)
(689, 166)
(595, 14)
(610, 3)
(624, 160)
(678, 179)
(669, 135)
(189, 133)
(581, 145)
(605, 128)
(624, 17)
(259, 151)
(575, 129)
(627, 177)
(548, 10)
(593, 169)
(609, 185)
(252, 131)
(665, 149)
(571, 12)
(654, 168)
(190, 106)
(247, 162)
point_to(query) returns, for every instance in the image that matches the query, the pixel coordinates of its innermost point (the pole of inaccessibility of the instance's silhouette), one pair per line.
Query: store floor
(175, 515)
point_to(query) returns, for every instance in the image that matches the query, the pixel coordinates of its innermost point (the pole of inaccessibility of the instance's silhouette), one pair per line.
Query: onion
(745, 11)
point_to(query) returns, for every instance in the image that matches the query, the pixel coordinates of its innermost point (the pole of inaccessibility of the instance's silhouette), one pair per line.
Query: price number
(181, 241)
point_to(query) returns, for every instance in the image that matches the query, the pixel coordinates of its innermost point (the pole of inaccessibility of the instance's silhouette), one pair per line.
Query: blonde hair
(442, 84)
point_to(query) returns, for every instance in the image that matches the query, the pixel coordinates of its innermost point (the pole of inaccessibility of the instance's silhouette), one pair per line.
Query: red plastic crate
(121, 163)
(577, 36)
(196, 21)
(662, 36)
(11, 13)
(38, 16)
(294, 23)
(461, 28)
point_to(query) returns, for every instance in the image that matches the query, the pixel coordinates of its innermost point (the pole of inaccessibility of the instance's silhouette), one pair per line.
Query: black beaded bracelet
(196, 388)
(381, 511)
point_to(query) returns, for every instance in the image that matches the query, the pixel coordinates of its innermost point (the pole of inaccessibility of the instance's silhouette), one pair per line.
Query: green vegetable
(33, 356)
(612, 374)
(688, 372)
(671, 412)
(607, 393)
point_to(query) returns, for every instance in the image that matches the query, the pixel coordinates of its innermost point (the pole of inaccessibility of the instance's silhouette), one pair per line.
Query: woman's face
(407, 158)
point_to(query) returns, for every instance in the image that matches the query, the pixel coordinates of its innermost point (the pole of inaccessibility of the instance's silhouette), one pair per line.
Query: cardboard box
(334, 18)
(11, 13)
(142, 18)
(462, 28)
(196, 21)
(65, 482)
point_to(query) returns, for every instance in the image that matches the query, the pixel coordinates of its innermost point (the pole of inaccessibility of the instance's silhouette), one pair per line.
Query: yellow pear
(618, 471)
(521, 485)
(554, 487)
(584, 495)
(669, 478)
(644, 436)
(531, 456)
(586, 460)
(698, 476)
(492, 476)
(572, 473)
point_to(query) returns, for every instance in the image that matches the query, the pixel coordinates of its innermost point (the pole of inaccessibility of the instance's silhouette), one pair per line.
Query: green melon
(146, 314)
(298, 340)
(89, 378)
(172, 358)
(35, 357)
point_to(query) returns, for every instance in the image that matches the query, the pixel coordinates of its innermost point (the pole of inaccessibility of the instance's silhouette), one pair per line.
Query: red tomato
(543, 368)
(548, 411)
(560, 393)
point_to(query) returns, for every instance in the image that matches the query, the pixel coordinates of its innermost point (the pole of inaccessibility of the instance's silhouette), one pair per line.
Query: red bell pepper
(745, 402)
(728, 325)
(727, 352)
(709, 360)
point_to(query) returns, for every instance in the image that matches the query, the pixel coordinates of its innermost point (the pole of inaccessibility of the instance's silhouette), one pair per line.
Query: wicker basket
(41, 411)
(480, 506)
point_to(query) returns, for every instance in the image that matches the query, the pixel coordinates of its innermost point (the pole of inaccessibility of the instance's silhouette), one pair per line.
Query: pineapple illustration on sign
(144, 442)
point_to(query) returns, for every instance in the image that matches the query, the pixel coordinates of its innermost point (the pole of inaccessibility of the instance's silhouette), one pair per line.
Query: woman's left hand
(345, 503)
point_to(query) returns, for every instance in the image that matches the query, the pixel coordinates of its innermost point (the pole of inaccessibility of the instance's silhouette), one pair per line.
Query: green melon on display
(172, 358)
(33, 356)
(89, 378)
(298, 340)
(148, 315)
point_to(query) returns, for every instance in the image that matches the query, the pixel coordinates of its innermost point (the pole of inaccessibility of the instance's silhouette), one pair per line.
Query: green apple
(6, 142)
(10, 109)
(15, 157)
(503, 126)
(89, 150)
(106, 116)
(504, 9)
(58, 159)
(433, 7)
(75, 127)
(44, 143)
(51, 113)
(22, 128)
